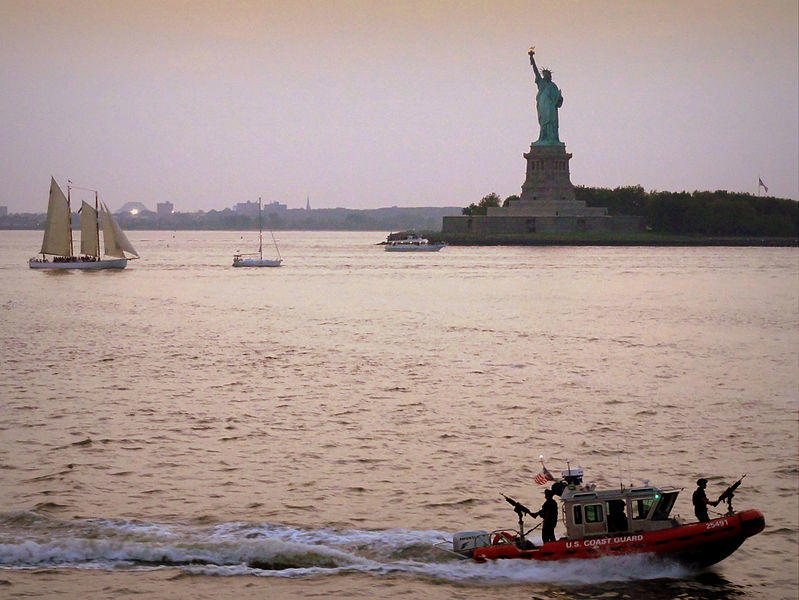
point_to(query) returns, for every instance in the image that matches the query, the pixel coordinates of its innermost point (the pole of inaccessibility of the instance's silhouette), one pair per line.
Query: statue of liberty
(547, 101)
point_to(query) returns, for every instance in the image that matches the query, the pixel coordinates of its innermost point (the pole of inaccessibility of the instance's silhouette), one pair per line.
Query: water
(186, 429)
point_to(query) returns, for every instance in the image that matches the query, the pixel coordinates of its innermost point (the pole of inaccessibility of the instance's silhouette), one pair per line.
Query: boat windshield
(641, 507)
(664, 506)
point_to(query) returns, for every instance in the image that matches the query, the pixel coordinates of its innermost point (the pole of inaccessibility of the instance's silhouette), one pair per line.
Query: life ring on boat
(503, 537)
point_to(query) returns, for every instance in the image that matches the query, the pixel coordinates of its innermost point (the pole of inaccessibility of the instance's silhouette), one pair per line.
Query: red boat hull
(696, 545)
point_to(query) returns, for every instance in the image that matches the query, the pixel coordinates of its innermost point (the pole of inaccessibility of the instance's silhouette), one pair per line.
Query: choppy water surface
(183, 428)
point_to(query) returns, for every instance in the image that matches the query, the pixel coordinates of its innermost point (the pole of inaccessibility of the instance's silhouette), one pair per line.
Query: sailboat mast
(69, 215)
(97, 219)
(260, 231)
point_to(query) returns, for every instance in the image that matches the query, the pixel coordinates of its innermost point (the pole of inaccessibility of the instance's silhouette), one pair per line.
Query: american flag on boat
(543, 476)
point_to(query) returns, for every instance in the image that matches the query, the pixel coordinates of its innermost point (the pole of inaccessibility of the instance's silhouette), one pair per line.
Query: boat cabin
(409, 241)
(401, 235)
(588, 512)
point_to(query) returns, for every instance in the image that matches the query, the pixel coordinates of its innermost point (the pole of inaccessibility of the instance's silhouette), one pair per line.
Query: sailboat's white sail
(89, 242)
(57, 231)
(116, 242)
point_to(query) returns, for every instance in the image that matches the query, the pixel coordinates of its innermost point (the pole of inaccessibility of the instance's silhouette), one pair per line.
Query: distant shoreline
(584, 239)
(336, 219)
(633, 239)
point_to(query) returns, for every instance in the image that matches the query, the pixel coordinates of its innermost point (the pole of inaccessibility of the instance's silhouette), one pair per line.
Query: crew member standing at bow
(548, 512)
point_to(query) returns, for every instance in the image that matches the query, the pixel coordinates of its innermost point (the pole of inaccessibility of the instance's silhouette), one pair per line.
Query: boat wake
(30, 540)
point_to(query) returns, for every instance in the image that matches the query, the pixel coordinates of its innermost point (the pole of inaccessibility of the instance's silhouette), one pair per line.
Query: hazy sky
(366, 104)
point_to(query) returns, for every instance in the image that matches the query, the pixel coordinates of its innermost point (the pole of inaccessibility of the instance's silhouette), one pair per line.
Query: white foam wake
(28, 540)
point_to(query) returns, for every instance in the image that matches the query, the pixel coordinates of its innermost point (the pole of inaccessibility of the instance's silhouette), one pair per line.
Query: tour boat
(57, 240)
(411, 243)
(239, 259)
(633, 520)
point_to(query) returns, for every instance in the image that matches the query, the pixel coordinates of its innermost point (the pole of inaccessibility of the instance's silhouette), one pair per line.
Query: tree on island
(482, 207)
(718, 213)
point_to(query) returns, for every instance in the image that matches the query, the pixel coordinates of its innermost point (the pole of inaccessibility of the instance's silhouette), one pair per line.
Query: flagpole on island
(760, 184)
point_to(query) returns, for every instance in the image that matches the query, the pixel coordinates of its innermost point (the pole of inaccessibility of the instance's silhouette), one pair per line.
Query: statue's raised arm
(547, 102)
(531, 52)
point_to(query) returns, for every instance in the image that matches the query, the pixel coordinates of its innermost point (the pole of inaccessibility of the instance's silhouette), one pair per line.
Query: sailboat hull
(257, 262)
(94, 265)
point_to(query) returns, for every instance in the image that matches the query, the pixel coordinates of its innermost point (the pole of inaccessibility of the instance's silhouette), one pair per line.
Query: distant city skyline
(166, 207)
(364, 104)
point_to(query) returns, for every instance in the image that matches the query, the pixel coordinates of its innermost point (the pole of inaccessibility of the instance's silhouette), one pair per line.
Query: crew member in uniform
(548, 512)
(701, 502)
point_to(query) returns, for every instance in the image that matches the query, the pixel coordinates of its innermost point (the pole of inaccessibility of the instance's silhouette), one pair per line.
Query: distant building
(3, 211)
(248, 209)
(274, 207)
(308, 203)
(165, 209)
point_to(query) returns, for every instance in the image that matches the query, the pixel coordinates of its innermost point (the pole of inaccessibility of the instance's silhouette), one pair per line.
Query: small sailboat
(239, 260)
(57, 241)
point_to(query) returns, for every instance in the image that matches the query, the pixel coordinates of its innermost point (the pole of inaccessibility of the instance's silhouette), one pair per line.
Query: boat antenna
(621, 484)
(629, 470)
(260, 231)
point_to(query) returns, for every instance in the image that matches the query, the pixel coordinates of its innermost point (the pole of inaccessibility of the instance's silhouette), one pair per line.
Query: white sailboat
(239, 259)
(57, 241)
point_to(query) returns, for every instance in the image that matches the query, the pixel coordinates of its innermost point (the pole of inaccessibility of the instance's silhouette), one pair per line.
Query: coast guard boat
(616, 522)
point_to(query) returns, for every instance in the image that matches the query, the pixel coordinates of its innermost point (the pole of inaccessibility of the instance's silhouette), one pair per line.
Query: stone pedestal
(547, 175)
(547, 190)
(547, 205)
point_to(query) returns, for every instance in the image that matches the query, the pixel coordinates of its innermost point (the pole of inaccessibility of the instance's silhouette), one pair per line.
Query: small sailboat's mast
(69, 214)
(96, 252)
(97, 219)
(260, 231)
